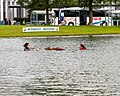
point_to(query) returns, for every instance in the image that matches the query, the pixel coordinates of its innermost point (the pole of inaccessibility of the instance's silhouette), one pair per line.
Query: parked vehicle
(73, 16)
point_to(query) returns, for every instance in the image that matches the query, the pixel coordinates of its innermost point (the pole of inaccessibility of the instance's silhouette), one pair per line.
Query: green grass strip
(16, 31)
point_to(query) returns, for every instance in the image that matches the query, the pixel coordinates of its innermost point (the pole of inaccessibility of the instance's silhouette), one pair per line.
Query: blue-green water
(71, 72)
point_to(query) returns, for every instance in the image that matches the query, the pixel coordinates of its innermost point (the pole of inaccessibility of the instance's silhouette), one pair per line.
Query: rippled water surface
(71, 72)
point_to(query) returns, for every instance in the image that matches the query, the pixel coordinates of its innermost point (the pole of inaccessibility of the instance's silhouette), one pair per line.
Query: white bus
(73, 16)
(78, 16)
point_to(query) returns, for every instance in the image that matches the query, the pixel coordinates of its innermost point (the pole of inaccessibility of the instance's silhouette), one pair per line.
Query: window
(71, 13)
(56, 13)
(41, 16)
(68, 13)
(98, 13)
(8, 2)
(12, 3)
(33, 16)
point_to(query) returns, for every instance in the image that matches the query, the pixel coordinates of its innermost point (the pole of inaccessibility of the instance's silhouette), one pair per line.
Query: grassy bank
(16, 31)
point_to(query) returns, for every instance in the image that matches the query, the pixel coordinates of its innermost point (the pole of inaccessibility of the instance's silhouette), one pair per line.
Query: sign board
(38, 29)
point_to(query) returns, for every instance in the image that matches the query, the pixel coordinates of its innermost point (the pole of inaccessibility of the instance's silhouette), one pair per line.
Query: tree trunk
(90, 12)
(47, 11)
(115, 5)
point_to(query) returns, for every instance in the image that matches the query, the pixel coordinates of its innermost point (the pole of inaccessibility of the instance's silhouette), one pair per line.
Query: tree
(90, 12)
(63, 3)
(32, 4)
(91, 9)
(87, 3)
(36, 5)
(47, 11)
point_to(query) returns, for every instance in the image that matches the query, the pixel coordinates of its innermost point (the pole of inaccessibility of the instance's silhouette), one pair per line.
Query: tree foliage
(35, 5)
(32, 4)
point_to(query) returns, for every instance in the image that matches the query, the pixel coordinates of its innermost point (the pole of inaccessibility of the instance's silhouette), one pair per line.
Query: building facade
(10, 9)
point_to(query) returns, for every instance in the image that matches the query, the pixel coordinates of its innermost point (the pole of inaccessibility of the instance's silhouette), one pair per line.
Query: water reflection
(71, 72)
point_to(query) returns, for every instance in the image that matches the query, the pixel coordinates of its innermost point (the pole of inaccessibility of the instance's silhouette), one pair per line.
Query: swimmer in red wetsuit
(82, 47)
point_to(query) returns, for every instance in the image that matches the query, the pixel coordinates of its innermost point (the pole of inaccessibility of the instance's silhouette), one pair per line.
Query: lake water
(71, 72)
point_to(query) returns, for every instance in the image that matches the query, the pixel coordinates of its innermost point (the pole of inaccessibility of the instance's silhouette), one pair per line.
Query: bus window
(83, 17)
(41, 16)
(33, 16)
(115, 23)
(98, 13)
(71, 13)
(56, 13)
(119, 23)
